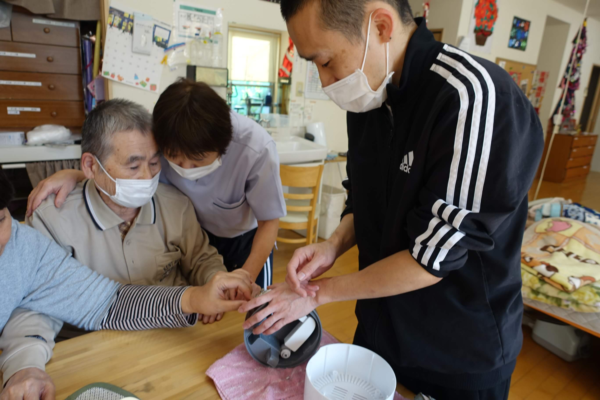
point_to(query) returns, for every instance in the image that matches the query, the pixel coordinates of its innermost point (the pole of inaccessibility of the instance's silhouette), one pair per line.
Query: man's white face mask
(354, 93)
(131, 193)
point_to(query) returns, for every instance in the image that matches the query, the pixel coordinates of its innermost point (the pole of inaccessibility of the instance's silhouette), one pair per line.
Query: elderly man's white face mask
(131, 193)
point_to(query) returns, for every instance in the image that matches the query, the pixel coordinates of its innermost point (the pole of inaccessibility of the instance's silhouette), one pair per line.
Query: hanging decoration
(519, 34)
(573, 76)
(426, 12)
(288, 61)
(486, 14)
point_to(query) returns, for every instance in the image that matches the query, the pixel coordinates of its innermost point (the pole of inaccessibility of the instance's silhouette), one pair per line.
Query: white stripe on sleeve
(489, 125)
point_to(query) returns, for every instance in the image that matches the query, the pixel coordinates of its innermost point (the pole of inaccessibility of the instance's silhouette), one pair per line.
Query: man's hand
(211, 299)
(285, 306)
(308, 263)
(29, 384)
(61, 184)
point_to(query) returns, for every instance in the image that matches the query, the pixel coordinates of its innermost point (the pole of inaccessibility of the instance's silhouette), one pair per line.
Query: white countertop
(24, 154)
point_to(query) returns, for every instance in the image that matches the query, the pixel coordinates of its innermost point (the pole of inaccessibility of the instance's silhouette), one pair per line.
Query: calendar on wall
(121, 64)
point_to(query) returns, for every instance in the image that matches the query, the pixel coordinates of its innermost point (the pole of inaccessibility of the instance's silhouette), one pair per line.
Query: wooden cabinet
(30, 85)
(40, 73)
(5, 34)
(28, 113)
(570, 157)
(39, 58)
(28, 28)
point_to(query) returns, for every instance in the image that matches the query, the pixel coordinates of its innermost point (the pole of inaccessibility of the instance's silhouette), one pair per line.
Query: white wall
(248, 12)
(550, 59)
(443, 14)
(537, 11)
(256, 13)
(596, 160)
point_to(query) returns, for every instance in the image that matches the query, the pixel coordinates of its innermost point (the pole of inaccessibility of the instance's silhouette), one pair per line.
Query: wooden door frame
(104, 8)
(595, 110)
(440, 31)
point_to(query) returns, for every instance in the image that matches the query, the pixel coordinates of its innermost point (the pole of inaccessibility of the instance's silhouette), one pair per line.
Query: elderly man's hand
(29, 384)
(212, 298)
(285, 306)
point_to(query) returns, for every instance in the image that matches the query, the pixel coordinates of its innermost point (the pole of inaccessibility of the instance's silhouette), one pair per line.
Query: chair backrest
(306, 178)
(303, 177)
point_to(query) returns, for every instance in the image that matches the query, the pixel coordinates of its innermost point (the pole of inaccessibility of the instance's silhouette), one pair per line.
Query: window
(253, 65)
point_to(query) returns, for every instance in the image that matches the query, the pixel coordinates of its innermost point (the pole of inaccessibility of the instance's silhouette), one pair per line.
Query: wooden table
(171, 363)
(158, 364)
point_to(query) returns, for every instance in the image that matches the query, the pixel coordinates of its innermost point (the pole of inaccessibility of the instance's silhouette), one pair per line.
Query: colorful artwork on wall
(486, 14)
(519, 34)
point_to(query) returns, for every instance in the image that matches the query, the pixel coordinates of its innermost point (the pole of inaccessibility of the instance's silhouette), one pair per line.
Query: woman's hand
(285, 306)
(61, 184)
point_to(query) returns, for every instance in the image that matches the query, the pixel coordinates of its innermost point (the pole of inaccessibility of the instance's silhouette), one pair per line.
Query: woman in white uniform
(225, 163)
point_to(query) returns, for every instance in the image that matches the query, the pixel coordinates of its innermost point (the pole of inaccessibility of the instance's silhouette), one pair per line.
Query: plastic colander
(348, 372)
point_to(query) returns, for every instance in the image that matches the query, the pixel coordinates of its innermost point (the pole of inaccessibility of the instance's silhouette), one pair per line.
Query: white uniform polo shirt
(244, 190)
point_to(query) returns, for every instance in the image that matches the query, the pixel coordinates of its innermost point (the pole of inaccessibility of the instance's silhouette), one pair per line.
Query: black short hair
(345, 16)
(7, 191)
(191, 119)
(110, 117)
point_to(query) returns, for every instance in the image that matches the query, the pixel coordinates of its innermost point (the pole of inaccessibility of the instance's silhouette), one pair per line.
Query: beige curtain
(78, 10)
(39, 171)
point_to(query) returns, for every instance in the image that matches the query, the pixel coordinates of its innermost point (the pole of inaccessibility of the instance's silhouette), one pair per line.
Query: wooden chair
(303, 212)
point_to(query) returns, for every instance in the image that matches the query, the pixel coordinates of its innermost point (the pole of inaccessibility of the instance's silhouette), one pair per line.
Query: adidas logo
(407, 162)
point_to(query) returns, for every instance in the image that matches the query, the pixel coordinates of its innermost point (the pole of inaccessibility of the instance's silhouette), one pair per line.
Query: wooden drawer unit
(584, 141)
(35, 86)
(5, 34)
(582, 151)
(28, 28)
(579, 162)
(31, 113)
(578, 172)
(570, 157)
(25, 57)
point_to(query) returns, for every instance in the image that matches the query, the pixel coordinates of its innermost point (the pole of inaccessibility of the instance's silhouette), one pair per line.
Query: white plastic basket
(348, 372)
(333, 201)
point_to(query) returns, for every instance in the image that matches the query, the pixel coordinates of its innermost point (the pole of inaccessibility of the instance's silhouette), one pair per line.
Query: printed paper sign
(193, 22)
(29, 109)
(20, 83)
(54, 23)
(12, 54)
(121, 64)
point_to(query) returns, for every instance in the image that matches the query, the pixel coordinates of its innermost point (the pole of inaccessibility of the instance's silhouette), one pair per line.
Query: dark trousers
(235, 252)
(498, 392)
(415, 385)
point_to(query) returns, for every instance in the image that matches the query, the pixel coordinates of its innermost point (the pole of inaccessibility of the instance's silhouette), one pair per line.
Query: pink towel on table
(238, 376)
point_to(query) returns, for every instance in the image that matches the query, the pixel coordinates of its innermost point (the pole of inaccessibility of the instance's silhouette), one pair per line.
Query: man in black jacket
(443, 148)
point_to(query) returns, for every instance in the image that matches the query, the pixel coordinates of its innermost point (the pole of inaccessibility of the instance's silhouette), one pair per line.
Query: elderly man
(120, 222)
(38, 276)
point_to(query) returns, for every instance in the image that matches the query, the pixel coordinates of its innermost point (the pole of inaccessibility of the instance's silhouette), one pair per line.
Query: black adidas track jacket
(443, 170)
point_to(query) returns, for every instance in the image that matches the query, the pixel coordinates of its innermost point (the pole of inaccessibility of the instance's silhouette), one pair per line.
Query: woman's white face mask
(131, 193)
(193, 174)
(354, 93)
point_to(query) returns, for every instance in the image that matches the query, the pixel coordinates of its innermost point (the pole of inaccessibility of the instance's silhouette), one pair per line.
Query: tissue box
(9, 139)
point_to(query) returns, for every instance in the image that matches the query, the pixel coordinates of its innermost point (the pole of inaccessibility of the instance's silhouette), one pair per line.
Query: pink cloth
(238, 376)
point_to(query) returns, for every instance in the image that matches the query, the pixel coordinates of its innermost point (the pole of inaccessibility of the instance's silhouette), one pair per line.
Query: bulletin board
(522, 74)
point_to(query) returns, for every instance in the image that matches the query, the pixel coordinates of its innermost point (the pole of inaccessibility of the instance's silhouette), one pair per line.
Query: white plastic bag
(47, 134)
